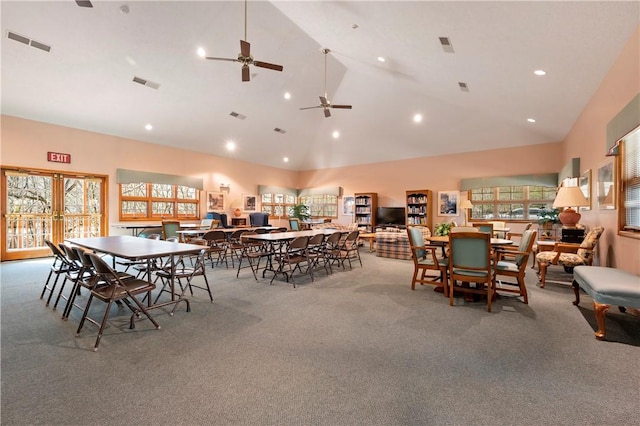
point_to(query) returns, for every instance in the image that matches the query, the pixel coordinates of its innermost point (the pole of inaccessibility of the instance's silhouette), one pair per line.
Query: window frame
(149, 199)
(526, 202)
(623, 182)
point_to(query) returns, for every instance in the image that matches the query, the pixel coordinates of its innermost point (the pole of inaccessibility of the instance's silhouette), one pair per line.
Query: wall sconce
(225, 187)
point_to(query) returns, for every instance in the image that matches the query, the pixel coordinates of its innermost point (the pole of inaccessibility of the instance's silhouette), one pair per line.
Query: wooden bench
(606, 286)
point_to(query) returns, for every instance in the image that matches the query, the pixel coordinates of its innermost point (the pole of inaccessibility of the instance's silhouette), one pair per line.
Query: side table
(239, 221)
(371, 237)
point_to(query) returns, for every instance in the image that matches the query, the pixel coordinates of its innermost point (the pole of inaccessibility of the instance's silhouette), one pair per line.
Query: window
(510, 202)
(277, 205)
(630, 185)
(321, 205)
(153, 201)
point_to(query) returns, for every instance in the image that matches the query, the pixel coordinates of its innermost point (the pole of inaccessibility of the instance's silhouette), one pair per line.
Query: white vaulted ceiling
(85, 81)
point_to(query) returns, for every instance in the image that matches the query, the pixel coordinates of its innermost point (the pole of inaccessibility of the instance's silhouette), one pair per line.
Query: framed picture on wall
(215, 201)
(348, 201)
(448, 203)
(584, 182)
(249, 203)
(606, 187)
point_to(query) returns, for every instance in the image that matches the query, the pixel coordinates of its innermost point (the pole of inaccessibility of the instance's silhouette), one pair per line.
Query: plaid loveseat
(394, 243)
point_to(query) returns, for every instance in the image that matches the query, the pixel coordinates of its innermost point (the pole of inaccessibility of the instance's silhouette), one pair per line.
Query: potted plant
(300, 211)
(547, 217)
(443, 229)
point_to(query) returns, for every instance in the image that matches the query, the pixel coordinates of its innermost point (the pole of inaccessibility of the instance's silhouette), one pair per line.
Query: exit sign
(58, 157)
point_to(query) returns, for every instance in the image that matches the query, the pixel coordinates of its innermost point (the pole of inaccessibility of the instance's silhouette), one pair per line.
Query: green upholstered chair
(470, 264)
(512, 262)
(425, 259)
(294, 224)
(170, 229)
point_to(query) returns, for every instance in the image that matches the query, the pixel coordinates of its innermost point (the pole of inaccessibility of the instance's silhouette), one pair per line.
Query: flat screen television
(390, 216)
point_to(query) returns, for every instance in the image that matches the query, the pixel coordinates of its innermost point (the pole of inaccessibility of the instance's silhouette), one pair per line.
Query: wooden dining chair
(425, 259)
(512, 262)
(470, 263)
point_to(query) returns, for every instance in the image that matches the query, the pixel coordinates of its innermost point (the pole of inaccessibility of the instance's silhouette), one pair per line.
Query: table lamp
(466, 205)
(570, 196)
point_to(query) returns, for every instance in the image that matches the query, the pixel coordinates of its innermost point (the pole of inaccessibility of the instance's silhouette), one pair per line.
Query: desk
(135, 248)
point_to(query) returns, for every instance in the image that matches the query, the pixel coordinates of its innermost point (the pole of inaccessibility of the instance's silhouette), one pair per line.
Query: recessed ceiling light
(381, 59)
(417, 118)
(201, 52)
(287, 95)
(148, 127)
(539, 72)
(335, 134)
(231, 146)
(531, 120)
(285, 159)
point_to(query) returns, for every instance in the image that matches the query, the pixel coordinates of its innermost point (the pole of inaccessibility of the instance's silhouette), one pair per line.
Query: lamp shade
(570, 196)
(466, 204)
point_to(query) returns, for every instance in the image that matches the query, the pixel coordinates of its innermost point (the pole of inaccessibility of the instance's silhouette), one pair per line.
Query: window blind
(135, 176)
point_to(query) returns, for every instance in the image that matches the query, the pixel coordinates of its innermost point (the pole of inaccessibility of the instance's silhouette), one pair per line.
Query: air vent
(279, 130)
(446, 44)
(28, 41)
(238, 116)
(463, 86)
(147, 83)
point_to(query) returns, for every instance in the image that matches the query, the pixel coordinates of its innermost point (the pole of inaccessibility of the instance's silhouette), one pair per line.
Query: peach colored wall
(587, 140)
(25, 143)
(391, 179)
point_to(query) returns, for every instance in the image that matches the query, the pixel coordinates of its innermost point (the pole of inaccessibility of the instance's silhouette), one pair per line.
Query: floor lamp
(466, 205)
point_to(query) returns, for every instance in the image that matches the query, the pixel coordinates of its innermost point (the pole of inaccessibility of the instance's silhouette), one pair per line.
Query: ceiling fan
(324, 102)
(245, 57)
(84, 3)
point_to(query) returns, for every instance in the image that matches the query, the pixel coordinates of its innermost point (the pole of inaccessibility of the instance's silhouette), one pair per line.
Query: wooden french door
(42, 204)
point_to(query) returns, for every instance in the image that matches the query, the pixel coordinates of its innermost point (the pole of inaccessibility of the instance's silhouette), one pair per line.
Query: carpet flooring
(357, 347)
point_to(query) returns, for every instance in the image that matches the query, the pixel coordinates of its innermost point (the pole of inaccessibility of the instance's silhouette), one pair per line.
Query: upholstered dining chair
(512, 262)
(425, 259)
(470, 263)
(294, 224)
(170, 228)
(464, 229)
(484, 227)
(569, 255)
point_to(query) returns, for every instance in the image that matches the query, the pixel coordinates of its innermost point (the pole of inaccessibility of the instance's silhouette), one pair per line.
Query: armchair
(569, 255)
(222, 217)
(259, 219)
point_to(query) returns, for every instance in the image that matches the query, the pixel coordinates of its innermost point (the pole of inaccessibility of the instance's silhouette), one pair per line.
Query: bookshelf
(365, 210)
(419, 208)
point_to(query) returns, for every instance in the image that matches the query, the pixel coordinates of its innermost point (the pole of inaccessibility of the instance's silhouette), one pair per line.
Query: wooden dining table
(136, 248)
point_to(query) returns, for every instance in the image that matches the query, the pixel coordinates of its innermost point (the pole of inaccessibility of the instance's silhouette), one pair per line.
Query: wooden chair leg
(542, 267)
(600, 310)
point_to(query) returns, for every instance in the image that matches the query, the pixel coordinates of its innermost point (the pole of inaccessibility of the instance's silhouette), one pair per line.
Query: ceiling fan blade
(268, 65)
(222, 59)
(313, 107)
(84, 3)
(245, 48)
(245, 73)
(341, 106)
(323, 100)
(327, 113)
